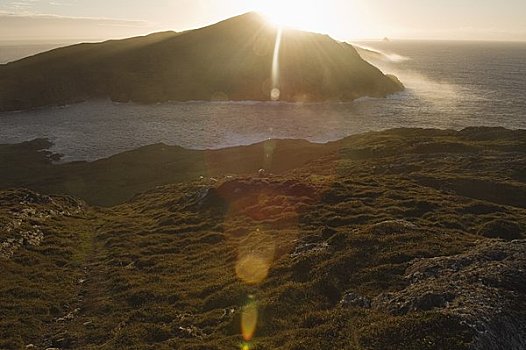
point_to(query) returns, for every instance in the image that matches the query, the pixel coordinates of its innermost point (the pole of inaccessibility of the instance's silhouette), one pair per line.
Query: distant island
(230, 60)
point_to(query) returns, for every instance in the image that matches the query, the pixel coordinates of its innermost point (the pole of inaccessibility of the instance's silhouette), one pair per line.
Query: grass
(159, 270)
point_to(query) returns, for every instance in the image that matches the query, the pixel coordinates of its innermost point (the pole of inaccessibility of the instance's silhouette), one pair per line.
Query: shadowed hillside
(231, 60)
(117, 179)
(405, 239)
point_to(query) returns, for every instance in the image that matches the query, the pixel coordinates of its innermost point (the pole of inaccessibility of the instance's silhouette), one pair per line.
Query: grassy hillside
(116, 179)
(404, 239)
(423, 154)
(231, 60)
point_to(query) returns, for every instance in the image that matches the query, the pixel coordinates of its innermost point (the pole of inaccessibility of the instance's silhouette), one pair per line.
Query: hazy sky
(343, 19)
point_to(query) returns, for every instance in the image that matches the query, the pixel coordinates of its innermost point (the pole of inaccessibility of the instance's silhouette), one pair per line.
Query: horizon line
(391, 39)
(214, 22)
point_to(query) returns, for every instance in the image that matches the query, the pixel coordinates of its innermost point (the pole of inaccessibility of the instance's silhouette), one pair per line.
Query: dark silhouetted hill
(230, 60)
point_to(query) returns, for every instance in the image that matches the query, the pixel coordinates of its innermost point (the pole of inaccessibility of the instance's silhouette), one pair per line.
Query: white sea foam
(367, 52)
(448, 86)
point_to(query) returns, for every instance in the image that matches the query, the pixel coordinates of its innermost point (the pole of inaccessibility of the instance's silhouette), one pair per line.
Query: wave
(438, 93)
(380, 54)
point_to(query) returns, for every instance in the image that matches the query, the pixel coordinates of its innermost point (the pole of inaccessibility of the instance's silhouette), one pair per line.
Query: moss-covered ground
(185, 263)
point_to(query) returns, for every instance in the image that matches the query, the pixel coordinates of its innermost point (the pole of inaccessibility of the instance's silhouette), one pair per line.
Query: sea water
(450, 85)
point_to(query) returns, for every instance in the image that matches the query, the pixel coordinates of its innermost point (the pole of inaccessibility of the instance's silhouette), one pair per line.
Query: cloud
(19, 6)
(43, 26)
(462, 33)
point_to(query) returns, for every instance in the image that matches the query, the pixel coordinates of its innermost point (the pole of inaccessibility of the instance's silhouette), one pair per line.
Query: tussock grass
(160, 269)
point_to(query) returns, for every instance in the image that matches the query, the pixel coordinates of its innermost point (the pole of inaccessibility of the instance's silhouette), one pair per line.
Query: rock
(35, 198)
(485, 288)
(227, 313)
(69, 316)
(198, 197)
(351, 299)
(30, 211)
(189, 332)
(424, 302)
(392, 227)
(33, 238)
(304, 249)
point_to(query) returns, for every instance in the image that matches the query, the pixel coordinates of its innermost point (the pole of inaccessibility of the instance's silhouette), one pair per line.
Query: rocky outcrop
(484, 287)
(27, 211)
(351, 299)
(392, 227)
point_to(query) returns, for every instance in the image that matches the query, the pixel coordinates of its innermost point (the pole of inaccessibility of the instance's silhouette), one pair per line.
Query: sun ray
(300, 14)
(275, 91)
(345, 20)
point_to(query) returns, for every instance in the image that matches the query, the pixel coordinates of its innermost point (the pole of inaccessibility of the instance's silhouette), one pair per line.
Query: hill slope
(229, 60)
(116, 179)
(386, 241)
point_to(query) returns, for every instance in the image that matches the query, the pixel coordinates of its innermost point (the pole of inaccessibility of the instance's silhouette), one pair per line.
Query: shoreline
(117, 178)
(58, 156)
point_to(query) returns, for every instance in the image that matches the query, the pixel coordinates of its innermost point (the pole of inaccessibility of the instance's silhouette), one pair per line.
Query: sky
(342, 19)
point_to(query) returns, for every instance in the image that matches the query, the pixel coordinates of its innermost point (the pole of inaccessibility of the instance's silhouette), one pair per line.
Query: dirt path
(70, 330)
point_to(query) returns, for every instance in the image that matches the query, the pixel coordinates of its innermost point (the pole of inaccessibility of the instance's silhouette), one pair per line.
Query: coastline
(34, 166)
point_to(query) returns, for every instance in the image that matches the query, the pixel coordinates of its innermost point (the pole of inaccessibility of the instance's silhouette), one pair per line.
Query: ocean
(450, 85)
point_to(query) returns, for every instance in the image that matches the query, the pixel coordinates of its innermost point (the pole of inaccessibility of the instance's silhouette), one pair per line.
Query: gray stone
(485, 287)
(392, 227)
(351, 299)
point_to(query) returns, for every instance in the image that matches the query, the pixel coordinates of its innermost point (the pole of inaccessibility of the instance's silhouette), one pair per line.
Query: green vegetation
(231, 60)
(378, 241)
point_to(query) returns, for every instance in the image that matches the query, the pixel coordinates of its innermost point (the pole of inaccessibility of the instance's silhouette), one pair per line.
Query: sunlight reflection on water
(448, 86)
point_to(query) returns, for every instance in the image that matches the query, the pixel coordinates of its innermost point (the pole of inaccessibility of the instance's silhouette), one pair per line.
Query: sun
(341, 19)
(300, 14)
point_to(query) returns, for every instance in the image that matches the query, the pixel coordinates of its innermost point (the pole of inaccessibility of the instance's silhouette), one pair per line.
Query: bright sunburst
(343, 19)
(302, 14)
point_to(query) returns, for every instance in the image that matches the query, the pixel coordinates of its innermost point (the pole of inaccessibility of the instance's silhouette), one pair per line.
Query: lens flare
(252, 269)
(249, 320)
(255, 256)
(275, 92)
